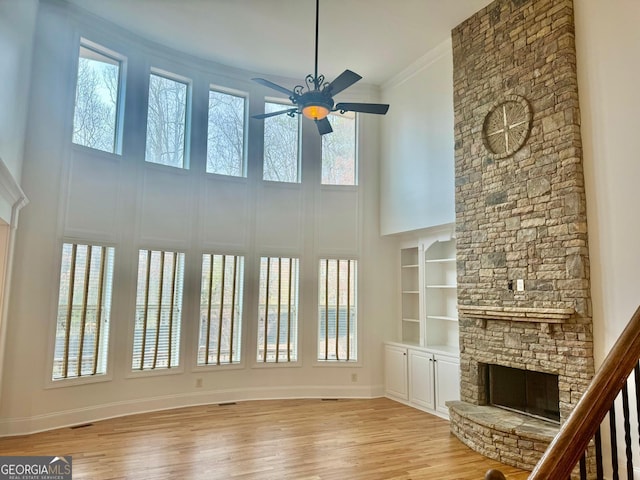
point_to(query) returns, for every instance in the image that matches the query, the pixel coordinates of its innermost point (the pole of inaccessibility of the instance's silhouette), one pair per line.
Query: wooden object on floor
(275, 439)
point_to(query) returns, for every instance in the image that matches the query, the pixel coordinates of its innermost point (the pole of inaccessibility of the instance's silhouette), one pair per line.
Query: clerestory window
(226, 134)
(97, 112)
(281, 146)
(339, 165)
(167, 120)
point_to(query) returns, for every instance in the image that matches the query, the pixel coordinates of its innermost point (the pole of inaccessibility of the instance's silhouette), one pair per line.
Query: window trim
(356, 158)
(213, 87)
(242, 319)
(358, 329)
(118, 141)
(50, 382)
(253, 351)
(131, 371)
(284, 103)
(188, 120)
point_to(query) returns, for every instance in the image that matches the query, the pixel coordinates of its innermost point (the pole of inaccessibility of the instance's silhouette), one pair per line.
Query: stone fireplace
(522, 258)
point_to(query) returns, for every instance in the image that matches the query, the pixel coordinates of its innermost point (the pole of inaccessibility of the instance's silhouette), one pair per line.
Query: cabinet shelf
(441, 260)
(440, 297)
(442, 317)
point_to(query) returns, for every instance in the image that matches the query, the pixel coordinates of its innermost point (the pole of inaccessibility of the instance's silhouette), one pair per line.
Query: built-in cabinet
(411, 322)
(422, 369)
(429, 311)
(422, 378)
(440, 296)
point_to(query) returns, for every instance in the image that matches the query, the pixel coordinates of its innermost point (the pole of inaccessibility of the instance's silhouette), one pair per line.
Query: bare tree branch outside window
(280, 146)
(95, 114)
(166, 121)
(339, 151)
(225, 140)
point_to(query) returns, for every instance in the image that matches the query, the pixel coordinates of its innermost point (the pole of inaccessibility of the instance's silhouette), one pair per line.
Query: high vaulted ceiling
(375, 38)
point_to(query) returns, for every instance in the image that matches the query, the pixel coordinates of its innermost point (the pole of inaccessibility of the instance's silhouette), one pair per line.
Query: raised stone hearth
(520, 218)
(508, 437)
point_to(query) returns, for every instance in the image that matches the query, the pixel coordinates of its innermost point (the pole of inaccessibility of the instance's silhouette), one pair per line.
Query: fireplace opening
(532, 393)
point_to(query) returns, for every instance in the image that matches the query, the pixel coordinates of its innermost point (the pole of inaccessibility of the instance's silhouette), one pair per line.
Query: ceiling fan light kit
(315, 100)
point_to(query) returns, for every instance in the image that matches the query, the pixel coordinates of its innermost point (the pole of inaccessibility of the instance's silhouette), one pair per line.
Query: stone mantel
(517, 314)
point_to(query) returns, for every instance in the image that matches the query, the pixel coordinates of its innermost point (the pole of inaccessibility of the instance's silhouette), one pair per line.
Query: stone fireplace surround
(519, 216)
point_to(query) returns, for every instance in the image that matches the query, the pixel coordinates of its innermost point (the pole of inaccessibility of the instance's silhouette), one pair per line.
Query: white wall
(17, 23)
(417, 178)
(608, 41)
(79, 194)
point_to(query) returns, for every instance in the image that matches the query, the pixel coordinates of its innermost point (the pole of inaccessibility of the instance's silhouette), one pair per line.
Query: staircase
(576, 451)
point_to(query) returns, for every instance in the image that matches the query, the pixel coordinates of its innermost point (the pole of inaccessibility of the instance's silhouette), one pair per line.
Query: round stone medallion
(507, 126)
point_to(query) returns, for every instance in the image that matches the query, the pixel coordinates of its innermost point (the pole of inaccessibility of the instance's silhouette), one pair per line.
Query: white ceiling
(375, 38)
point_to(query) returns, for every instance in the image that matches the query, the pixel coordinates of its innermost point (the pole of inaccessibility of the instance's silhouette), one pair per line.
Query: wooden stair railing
(569, 445)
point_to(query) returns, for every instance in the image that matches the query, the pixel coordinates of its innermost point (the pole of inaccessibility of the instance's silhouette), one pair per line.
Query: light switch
(520, 285)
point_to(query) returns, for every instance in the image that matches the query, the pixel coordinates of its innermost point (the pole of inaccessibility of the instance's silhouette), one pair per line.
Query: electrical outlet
(520, 285)
(198, 382)
(354, 377)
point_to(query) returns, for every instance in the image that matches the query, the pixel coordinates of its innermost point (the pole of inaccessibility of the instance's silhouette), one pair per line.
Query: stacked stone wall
(523, 215)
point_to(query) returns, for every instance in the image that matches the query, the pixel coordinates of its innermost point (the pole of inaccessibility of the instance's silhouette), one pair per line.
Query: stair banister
(568, 446)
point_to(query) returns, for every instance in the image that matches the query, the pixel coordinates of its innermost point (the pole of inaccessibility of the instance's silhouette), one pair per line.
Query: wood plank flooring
(280, 440)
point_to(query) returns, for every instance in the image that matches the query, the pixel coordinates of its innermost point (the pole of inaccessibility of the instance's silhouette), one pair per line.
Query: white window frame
(134, 371)
(245, 128)
(298, 327)
(321, 301)
(188, 82)
(356, 159)
(285, 105)
(72, 381)
(122, 60)
(240, 279)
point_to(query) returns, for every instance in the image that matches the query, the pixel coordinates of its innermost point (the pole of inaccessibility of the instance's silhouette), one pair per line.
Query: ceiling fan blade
(342, 82)
(273, 114)
(275, 86)
(377, 108)
(324, 126)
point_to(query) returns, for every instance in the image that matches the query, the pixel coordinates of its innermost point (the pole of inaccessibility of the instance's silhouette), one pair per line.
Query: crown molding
(432, 56)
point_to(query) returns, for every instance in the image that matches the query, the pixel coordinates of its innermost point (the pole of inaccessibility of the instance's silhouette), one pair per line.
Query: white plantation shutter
(84, 309)
(337, 310)
(156, 342)
(278, 310)
(221, 295)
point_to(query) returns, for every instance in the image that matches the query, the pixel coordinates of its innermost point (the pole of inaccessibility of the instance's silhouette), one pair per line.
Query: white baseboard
(79, 416)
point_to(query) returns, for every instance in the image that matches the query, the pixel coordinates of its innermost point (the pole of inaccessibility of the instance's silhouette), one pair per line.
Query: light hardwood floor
(280, 440)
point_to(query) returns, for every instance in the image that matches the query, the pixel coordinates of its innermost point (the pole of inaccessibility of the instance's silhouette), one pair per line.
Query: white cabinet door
(395, 361)
(421, 390)
(447, 381)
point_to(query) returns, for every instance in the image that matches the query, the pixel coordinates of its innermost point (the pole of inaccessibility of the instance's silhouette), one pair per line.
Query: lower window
(220, 309)
(337, 311)
(156, 337)
(84, 308)
(278, 310)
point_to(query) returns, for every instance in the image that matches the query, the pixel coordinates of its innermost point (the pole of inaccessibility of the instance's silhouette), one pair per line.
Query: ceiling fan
(315, 99)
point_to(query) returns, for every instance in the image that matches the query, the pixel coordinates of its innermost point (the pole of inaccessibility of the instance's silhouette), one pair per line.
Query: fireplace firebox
(528, 392)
